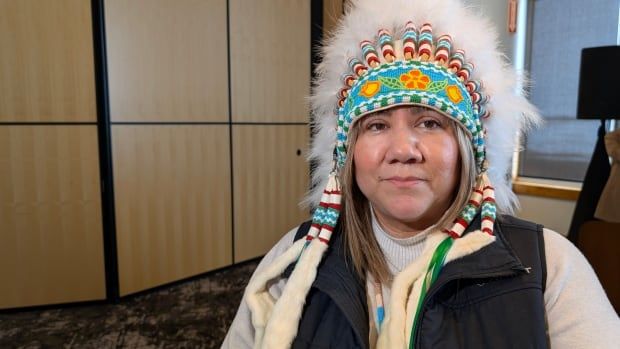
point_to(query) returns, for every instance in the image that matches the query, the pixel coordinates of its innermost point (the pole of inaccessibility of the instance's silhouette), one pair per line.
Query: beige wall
(497, 11)
(555, 214)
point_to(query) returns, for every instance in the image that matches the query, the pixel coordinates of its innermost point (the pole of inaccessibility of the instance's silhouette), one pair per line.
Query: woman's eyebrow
(379, 113)
(416, 109)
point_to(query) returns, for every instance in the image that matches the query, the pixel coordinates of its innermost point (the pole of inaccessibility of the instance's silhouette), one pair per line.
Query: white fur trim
(393, 329)
(511, 112)
(412, 304)
(257, 294)
(282, 326)
(468, 244)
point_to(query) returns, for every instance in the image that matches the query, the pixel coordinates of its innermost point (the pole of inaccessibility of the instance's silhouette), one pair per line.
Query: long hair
(356, 219)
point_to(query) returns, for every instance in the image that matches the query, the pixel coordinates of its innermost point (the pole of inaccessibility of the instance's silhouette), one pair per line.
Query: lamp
(598, 99)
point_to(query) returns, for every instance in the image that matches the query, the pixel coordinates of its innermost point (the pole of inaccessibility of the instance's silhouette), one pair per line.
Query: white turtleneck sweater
(399, 253)
(578, 311)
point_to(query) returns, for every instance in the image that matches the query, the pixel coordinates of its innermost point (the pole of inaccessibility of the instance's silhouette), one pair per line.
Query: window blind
(559, 29)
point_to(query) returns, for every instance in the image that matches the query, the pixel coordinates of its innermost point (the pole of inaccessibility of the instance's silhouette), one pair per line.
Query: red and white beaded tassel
(410, 40)
(282, 327)
(425, 49)
(489, 208)
(387, 45)
(471, 209)
(326, 214)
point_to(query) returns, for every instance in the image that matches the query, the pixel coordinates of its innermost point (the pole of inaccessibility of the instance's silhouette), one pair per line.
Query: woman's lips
(404, 182)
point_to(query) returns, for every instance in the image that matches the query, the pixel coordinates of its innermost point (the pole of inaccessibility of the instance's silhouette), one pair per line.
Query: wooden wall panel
(51, 239)
(173, 210)
(270, 60)
(46, 61)
(270, 178)
(167, 60)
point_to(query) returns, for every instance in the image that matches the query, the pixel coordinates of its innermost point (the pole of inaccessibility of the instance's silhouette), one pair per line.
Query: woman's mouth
(403, 182)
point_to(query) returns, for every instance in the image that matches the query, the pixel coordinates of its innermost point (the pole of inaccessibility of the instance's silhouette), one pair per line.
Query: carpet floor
(193, 314)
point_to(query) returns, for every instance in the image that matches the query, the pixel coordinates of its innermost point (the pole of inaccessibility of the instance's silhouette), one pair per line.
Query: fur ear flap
(276, 322)
(282, 326)
(393, 329)
(259, 300)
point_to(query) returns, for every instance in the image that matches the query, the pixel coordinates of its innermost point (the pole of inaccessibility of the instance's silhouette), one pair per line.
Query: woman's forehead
(414, 110)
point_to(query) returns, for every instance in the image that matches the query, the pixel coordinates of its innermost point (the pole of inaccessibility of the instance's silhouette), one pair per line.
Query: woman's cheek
(367, 161)
(373, 147)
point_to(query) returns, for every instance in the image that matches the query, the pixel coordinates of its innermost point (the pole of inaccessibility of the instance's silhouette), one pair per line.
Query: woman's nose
(404, 147)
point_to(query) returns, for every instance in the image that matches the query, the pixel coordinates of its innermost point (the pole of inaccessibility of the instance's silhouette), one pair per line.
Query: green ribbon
(434, 268)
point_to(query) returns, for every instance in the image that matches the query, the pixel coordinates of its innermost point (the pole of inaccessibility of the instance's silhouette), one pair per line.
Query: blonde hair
(361, 245)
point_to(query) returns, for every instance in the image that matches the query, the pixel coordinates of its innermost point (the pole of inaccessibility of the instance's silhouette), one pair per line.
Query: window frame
(533, 186)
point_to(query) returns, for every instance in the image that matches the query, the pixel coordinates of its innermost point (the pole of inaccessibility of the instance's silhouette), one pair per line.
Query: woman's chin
(407, 214)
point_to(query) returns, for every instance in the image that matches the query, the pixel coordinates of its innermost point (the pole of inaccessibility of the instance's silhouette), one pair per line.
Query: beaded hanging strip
(326, 215)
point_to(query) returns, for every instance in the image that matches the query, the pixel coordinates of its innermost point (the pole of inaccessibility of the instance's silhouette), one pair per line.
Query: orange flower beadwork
(454, 94)
(370, 88)
(415, 79)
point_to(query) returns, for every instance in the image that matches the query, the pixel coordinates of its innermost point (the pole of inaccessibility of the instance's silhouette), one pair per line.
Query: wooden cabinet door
(270, 60)
(167, 60)
(270, 178)
(172, 197)
(51, 238)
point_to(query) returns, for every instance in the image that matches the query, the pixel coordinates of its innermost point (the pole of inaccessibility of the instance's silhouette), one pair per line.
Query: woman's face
(407, 164)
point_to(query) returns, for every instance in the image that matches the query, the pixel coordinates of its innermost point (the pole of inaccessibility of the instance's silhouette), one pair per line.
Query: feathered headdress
(432, 53)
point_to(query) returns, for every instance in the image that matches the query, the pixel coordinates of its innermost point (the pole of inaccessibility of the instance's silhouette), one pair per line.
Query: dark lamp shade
(599, 77)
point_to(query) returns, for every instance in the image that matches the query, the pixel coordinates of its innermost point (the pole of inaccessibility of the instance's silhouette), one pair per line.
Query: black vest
(492, 298)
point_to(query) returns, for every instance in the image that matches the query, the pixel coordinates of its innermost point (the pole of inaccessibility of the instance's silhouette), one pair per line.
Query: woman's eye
(376, 126)
(430, 124)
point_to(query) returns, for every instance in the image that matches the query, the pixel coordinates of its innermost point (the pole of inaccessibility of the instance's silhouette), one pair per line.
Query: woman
(411, 244)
